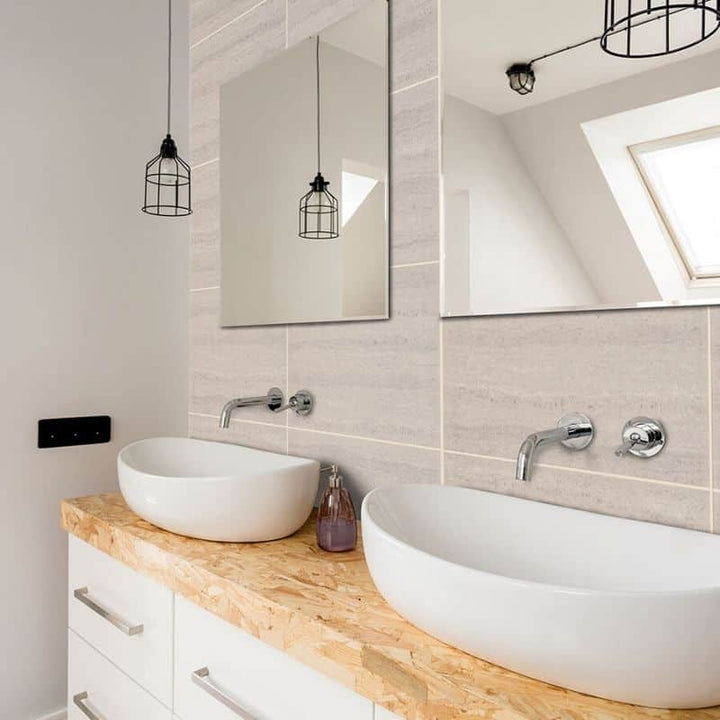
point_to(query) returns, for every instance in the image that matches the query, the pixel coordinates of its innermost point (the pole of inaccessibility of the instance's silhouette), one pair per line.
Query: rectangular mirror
(596, 189)
(292, 253)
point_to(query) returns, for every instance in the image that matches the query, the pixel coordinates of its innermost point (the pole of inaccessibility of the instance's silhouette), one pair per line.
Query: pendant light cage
(521, 77)
(319, 212)
(167, 183)
(319, 208)
(653, 28)
(167, 175)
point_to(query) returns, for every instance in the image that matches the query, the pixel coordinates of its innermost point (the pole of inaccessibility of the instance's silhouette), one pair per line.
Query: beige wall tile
(414, 46)
(716, 512)
(635, 499)
(503, 378)
(308, 17)
(255, 37)
(415, 214)
(205, 228)
(366, 465)
(375, 379)
(507, 377)
(227, 363)
(254, 435)
(207, 16)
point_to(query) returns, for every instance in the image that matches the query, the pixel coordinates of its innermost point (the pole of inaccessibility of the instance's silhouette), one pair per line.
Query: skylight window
(682, 175)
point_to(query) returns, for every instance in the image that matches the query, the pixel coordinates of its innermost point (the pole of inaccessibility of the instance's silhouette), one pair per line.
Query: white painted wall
(516, 255)
(93, 294)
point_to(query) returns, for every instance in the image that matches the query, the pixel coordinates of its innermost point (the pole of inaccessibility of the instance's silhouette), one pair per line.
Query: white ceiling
(482, 38)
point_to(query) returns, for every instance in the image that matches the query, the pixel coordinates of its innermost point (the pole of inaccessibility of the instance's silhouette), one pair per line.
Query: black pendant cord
(317, 88)
(599, 37)
(169, 95)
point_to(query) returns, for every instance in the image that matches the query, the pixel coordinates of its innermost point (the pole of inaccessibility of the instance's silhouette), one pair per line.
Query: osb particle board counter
(324, 610)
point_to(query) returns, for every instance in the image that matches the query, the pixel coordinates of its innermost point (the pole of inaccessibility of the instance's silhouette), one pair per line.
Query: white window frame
(637, 152)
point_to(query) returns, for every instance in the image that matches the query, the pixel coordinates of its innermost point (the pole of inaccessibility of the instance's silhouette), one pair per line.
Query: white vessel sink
(215, 491)
(619, 609)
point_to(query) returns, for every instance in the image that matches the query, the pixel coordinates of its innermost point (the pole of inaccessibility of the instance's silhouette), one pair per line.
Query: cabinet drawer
(125, 616)
(214, 660)
(103, 691)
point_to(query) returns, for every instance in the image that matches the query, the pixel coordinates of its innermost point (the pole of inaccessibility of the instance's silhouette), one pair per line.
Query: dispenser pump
(336, 519)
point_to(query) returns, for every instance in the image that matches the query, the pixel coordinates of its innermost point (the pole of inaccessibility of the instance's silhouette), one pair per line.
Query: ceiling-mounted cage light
(652, 28)
(319, 208)
(167, 175)
(521, 77)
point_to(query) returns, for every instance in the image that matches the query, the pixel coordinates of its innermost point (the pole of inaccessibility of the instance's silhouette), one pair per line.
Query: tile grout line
(287, 327)
(287, 24)
(441, 343)
(245, 421)
(205, 289)
(204, 163)
(227, 24)
(711, 473)
(414, 85)
(395, 443)
(287, 381)
(438, 261)
(394, 267)
(581, 471)
(415, 264)
(321, 432)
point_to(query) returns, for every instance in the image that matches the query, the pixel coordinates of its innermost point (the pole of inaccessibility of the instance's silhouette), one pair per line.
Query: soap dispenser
(336, 519)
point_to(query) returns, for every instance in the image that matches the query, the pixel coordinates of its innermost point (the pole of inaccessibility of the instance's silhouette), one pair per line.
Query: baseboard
(57, 715)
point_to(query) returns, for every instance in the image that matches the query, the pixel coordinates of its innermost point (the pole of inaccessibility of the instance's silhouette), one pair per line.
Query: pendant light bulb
(319, 208)
(167, 175)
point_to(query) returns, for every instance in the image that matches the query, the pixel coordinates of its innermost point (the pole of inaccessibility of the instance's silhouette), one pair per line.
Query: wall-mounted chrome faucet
(575, 431)
(301, 402)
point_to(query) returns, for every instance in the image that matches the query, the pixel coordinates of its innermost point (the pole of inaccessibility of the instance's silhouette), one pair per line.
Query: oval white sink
(216, 491)
(615, 608)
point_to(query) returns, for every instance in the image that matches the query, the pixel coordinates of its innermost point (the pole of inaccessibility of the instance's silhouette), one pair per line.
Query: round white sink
(615, 608)
(216, 491)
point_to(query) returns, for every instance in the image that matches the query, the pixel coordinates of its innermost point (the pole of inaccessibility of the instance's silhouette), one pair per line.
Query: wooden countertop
(323, 609)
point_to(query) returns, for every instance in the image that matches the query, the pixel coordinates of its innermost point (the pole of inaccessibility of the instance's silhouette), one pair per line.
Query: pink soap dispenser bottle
(336, 519)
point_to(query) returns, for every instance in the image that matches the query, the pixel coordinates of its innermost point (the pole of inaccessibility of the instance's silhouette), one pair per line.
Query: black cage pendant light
(521, 77)
(167, 175)
(652, 28)
(318, 207)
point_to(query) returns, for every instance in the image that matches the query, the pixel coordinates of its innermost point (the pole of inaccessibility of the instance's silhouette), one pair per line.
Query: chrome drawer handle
(81, 594)
(79, 700)
(201, 678)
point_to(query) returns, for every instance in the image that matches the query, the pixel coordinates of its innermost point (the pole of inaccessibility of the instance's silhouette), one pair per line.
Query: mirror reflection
(580, 155)
(304, 180)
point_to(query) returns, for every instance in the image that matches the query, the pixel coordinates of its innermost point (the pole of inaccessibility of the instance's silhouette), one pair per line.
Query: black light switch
(61, 432)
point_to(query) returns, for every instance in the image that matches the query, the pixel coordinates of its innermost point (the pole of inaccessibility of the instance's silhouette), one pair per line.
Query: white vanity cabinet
(136, 650)
(100, 691)
(224, 673)
(124, 616)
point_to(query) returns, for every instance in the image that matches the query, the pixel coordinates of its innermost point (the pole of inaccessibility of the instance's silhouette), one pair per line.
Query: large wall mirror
(304, 204)
(590, 182)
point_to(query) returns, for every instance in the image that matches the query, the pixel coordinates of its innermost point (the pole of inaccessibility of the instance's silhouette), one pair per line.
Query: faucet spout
(574, 431)
(272, 401)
